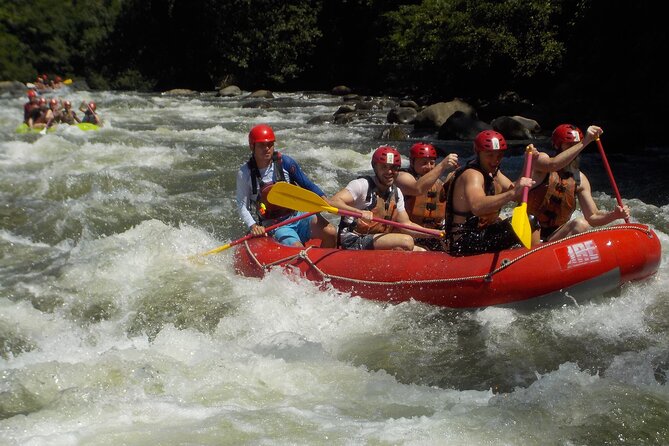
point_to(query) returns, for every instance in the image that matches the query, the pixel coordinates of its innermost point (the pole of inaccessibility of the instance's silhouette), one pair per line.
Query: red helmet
(566, 133)
(422, 150)
(67, 104)
(261, 133)
(31, 93)
(53, 102)
(387, 155)
(489, 140)
(42, 101)
(92, 106)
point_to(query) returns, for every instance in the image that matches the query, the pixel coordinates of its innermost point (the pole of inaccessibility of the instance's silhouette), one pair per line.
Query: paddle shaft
(611, 179)
(294, 197)
(528, 170)
(434, 232)
(520, 221)
(250, 236)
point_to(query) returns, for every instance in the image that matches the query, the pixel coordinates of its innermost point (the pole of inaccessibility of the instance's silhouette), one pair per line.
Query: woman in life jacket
(423, 189)
(67, 115)
(476, 194)
(560, 182)
(376, 196)
(255, 179)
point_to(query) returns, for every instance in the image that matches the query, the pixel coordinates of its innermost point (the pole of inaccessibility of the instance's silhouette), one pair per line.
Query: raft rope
(504, 264)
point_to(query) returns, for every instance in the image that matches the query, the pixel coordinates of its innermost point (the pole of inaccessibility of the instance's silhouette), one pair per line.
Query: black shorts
(493, 238)
(353, 240)
(431, 244)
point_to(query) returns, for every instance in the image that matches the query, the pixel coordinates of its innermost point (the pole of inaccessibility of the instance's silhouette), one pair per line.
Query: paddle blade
(520, 223)
(220, 248)
(294, 197)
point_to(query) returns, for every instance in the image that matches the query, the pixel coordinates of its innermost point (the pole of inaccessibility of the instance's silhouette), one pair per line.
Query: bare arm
(474, 193)
(410, 186)
(482, 204)
(344, 199)
(591, 213)
(545, 163)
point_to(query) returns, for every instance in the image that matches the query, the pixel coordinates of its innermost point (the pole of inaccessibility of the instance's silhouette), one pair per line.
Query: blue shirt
(246, 199)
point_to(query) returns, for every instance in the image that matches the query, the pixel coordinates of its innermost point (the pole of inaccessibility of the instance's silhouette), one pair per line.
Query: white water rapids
(110, 335)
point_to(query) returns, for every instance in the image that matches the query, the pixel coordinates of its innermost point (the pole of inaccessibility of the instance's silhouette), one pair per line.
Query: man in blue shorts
(256, 177)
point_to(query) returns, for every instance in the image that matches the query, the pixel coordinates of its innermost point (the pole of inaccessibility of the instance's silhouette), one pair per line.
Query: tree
(470, 47)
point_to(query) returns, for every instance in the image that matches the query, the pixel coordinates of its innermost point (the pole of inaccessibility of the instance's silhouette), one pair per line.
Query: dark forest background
(580, 61)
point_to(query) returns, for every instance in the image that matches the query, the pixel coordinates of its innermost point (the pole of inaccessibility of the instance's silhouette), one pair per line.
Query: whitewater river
(111, 335)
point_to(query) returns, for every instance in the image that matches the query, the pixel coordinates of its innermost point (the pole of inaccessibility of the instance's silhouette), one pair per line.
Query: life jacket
(472, 221)
(383, 205)
(88, 117)
(27, 109)
(264, 209)
(427, 210)
(65, 116)
(554, 200)
(39, 115)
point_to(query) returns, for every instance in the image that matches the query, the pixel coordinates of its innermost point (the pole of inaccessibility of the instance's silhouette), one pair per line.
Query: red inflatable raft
(553, 273)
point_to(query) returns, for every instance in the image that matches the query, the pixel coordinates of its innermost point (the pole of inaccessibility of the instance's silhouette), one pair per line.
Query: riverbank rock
(401, 115)
(341, 90)
(179, 92)
(229, 91)
(12, 87)
(516, 127)
(434, 116)
(265, 94)
(462, 126)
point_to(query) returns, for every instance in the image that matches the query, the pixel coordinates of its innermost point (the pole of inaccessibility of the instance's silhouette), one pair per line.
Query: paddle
(611, 179)
(520, 222)
(294, 197)
(250, 236)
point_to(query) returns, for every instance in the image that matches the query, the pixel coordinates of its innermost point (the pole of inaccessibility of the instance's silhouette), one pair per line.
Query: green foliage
(461, 45)
(14, 64)
(265, 40)
(52, 36)
(196, 43)
(131, 80)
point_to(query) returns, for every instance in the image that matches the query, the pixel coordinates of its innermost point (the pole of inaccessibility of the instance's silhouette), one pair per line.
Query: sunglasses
(392, 167)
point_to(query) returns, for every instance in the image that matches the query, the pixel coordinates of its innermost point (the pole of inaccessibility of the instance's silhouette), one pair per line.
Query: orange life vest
(382, 206)
(429, 209)
(554, 200)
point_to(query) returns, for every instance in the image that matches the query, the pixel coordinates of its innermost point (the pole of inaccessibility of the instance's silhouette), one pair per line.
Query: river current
(110, 333)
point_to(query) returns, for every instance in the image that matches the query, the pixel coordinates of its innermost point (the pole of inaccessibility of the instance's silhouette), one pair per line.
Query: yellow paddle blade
(67, 81)
(197, 258)
(520, 223)
(216, 250)
(294, 197)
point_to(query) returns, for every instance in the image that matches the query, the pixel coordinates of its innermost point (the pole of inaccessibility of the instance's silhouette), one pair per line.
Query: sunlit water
(111, 335)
